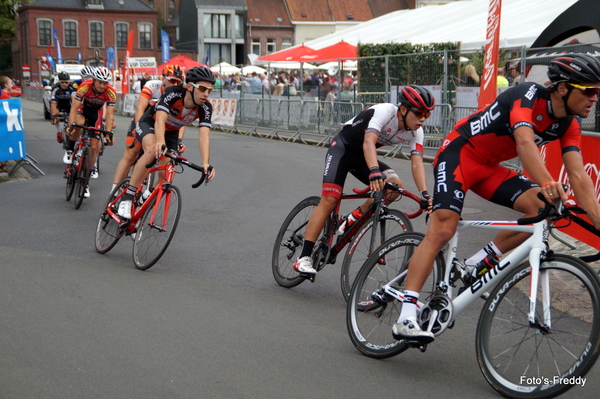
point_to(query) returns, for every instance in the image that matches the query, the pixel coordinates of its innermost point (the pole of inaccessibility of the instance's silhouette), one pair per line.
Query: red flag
(125, 73)
(49, 48)
(487, 91)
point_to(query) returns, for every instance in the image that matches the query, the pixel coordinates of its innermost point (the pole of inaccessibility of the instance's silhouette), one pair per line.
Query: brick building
(82, 26)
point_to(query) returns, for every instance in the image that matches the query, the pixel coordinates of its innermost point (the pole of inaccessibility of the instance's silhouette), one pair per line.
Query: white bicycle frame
(532, 247)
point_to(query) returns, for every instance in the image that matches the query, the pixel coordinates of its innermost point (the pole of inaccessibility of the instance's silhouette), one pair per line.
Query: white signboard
(141, 62)
(223, 111)
(71, 69)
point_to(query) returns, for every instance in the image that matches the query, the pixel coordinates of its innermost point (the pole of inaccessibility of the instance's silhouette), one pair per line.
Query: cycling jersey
(171, 102)
(384, 119)
(152, 91)
(470, 156)
(62, 97)
(90, 98)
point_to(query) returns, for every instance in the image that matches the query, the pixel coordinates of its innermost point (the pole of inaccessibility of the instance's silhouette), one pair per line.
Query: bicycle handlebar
(402, 191)
(181, 160)
(91, 128)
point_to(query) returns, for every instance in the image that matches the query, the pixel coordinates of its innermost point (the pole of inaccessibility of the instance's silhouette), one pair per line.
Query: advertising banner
(12, 137)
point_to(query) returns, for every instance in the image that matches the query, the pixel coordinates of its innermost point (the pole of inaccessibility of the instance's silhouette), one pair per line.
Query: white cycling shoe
(125, 209)
(410, 329)
(304, 265)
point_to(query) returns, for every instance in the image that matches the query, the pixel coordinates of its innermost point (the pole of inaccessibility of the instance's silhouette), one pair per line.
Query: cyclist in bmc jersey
(153, 89)
(354, 150)
(519, 121)
(60, 101)
(178, 107)
(86, 110)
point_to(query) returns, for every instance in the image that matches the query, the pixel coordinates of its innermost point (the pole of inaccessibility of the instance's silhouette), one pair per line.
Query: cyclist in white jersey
(354, 150)
(153, 89)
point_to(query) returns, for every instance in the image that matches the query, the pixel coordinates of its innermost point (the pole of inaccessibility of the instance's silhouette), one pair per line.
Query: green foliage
(421, 64)
(7, 19)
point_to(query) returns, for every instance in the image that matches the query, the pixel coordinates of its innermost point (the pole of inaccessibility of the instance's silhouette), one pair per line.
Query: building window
(286, 43)
(218, 53)
(239, 26)
(270, 46)
(216, 26)
(145, 36)
(70, 33)
(122, 30)
(44, 35)
(96, 35)
(256, 46)
(171, 10)
(151, 3)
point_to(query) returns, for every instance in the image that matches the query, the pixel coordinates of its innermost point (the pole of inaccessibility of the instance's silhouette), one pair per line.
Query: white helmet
(102, 73)
(86, 72)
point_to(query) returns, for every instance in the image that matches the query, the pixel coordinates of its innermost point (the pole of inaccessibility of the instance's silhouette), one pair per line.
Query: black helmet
(199, 74)
(64, 75)
(574, 68)
(416, 96)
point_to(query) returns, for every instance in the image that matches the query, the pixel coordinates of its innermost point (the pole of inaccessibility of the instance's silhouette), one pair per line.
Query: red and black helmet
(417, 97)
(574, 68)
(172, 72)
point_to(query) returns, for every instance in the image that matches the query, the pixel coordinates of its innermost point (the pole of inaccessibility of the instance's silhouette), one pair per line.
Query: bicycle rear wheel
(289, 243)
(70, 175)
(108, 231)
(371, 313)
(540, 360)
(391, 223)
(156, 228)
(83, 176)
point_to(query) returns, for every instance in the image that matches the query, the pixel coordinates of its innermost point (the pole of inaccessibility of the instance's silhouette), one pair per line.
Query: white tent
(225, 68)
(522, 21)
(290, 65)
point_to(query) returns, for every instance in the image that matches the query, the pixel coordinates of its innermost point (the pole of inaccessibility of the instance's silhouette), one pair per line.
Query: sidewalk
(21, 174)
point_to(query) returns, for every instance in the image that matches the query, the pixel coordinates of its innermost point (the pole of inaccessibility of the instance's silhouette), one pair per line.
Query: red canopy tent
(290, 54)
(342, 50)
(181, 60)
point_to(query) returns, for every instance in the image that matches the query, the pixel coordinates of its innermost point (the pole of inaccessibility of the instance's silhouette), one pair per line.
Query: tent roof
(460, 21)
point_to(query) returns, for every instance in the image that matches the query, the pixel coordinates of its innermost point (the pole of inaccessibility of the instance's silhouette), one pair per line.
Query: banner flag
(58, 52)
(490, 58)
(125, 74)
(110, 58)
(166, 46)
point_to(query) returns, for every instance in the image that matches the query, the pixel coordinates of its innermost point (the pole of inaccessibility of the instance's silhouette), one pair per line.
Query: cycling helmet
(101, 73)
(416, 96)
(172, 71)
(199, 74)
(574, 68)
(86, 72)
(64, 75)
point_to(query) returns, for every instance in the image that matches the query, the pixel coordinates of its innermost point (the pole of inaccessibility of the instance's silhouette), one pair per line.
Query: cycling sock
(71, 145)
(130, 193)
(307, 248)
(483, 252)
(409, 306)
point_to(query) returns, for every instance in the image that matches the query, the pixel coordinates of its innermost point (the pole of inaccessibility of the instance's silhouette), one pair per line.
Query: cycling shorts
(93, 118)
(456, 170)
(130, 138)
(144, 128)
(342, 159)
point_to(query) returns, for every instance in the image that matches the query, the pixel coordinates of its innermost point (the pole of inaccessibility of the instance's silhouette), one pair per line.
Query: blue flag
(207, 60)
(50, 60)
(166, 46)
(79, 57)
(58, 52)
(110, 58)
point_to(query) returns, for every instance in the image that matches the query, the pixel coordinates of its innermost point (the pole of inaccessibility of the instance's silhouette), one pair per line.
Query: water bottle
(349, 220)
(145, 196)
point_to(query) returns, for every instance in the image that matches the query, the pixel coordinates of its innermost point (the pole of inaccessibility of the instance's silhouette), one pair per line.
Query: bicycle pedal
(308, 276)
(418, 345)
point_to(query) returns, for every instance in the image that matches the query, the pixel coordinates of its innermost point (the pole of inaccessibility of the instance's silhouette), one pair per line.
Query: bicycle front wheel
(289, 243)
(70, 175)
(545, 358)
(156, 228)
(391, 223)
(83, 176)
(108, 231)
(372, 311)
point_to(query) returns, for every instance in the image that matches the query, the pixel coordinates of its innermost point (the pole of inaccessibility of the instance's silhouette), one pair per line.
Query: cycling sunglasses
(589, 91)
(202, 88)
(64, 82)
(175, 81)
(420, 113)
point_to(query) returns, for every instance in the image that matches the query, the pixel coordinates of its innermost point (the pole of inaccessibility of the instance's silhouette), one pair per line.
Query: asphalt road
(208, 320)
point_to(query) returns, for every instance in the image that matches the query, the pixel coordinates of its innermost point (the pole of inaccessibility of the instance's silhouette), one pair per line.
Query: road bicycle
(78, 173)
(291, 236)
(153, 222)
(539, 327)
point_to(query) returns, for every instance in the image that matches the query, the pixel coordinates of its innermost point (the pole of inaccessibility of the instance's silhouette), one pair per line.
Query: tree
(7, 19)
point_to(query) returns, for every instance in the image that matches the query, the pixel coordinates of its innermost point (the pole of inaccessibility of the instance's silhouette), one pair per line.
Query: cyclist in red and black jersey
(516, 124)
(178, 107)
(86, 110)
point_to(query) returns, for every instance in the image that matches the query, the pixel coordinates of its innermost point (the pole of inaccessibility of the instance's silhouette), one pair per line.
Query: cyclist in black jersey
(520, 119)
(354, 150)
(60, 101)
